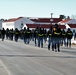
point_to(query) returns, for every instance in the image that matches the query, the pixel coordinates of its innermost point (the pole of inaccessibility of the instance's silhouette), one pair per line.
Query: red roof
(13, 19)
(63, 21)
(47, 20)
(72, 25)
(62, 26)
(44, 26)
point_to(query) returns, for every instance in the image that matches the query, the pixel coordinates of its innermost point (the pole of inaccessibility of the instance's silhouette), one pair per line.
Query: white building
(1, 24)
(69, 23)
(16, 23)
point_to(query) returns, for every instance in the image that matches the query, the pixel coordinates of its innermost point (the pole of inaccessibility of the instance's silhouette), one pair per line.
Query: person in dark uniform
(24, 35)
(7, 33)
(21, 34)
(59, 35)
(3, 34)
(63, 38)
(32, 34)
(49, 34)
(16, 34)
(11, 34)
(45, 35)
(54, 39)
(40, 38)
(36, 35)
(56, 35)
(69, 35)
(28, 36)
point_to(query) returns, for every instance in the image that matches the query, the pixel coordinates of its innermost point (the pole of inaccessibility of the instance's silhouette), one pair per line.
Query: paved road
(16, 58)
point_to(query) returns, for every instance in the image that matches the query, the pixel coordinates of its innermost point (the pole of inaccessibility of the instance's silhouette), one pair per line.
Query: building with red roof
(47, 26)
(22, 22)
(16, 23)
(46, 20)
(45, 23)
(69, 23)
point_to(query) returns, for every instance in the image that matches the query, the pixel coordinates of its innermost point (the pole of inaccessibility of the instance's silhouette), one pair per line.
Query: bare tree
(73, 16)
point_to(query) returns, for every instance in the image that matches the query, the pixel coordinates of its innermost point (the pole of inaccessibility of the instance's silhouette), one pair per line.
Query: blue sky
(36, 8)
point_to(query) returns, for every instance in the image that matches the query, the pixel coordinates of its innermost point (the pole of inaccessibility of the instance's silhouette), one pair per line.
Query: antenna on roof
(51, 15)
(51, 18)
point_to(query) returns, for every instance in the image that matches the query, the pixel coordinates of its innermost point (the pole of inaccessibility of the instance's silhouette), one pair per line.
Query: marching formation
(56, 36)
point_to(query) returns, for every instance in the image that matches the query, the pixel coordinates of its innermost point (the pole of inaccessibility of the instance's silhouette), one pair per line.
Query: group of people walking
(56, 36)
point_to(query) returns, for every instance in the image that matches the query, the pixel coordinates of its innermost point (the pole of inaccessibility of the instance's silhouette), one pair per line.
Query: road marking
(5, 68)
